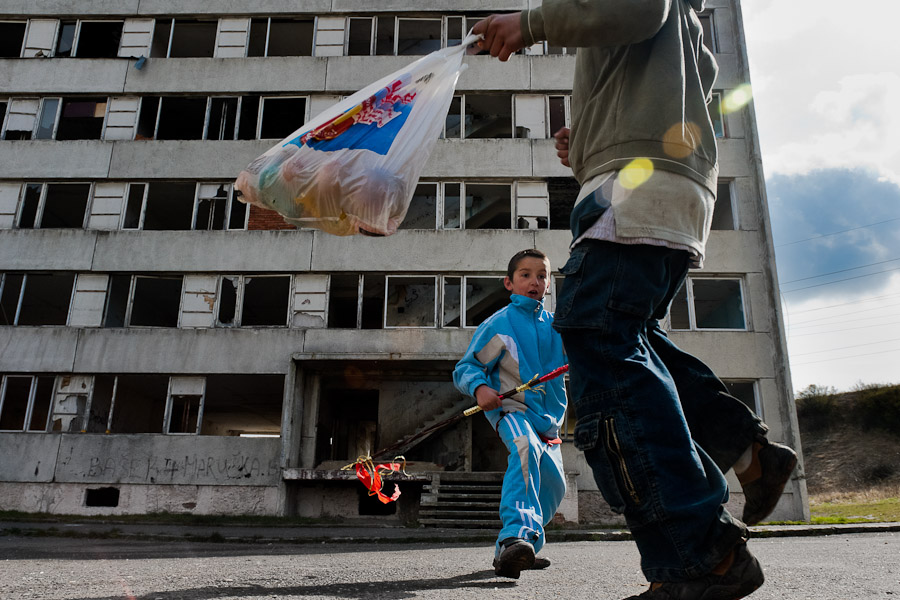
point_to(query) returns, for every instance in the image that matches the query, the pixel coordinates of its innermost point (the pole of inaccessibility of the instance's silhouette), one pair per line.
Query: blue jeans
(632, 424)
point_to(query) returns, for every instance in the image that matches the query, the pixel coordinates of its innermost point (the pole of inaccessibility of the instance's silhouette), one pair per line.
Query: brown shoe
(741, 578)
(765, 478)
(539, 563)
(516, 555)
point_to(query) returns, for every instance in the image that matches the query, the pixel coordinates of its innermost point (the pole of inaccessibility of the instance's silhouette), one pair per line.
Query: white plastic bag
(354, 168)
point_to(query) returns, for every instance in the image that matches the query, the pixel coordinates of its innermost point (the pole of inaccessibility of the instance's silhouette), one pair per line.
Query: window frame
(170, 405)
(691, 304)
(21, 296)
(29, 408)
(42, 202)
(132, 289)
(239, 300)
(387, 289)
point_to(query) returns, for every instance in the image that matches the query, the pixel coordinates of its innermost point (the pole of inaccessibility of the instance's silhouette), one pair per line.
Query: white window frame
(239, 301)
(130, 306)
(58, 117)
(692, 318)
(444, 22)
(42, 201)
(206, 119)
(229, 200)
(757, 399)
(29, 409)
(387, 288)
(170, 401)
(718, 97)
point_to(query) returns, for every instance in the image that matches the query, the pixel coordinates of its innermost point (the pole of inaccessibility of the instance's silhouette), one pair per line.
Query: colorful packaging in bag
(354, 168)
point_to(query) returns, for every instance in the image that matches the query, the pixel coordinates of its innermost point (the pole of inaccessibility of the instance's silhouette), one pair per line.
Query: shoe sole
(514, 560)
(775, 477)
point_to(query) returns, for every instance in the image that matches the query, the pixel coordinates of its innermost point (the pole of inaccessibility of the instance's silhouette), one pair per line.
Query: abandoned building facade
(166, 348)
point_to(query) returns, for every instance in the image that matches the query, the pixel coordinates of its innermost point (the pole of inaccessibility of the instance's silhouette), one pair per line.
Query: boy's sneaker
(742, 578)
(516, 555)
(764, 481)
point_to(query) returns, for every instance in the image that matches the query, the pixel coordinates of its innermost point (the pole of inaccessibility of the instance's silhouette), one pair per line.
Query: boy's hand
(562, 145)
(487, 398)
(502, 35)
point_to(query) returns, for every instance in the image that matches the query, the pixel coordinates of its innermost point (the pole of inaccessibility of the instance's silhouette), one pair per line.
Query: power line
(846, 347)
(840, 280)
(840, 330)
(860, 301)
(812, 362)
(816, 237)
(840, 316)
(841, 271)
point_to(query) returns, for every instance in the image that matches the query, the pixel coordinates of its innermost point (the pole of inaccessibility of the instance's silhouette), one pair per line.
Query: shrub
(879, 408)
(817, 407)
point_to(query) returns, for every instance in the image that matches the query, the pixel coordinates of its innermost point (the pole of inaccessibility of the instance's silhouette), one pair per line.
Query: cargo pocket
(590, 438)
(573, 272)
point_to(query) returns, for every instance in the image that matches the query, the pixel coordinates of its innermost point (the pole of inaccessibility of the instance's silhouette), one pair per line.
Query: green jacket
(642, 82)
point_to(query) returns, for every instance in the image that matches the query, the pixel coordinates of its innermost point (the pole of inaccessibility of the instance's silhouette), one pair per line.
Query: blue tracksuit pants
(534, 484)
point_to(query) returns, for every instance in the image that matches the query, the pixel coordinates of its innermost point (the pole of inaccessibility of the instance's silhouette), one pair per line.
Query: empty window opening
(212, 207)
(31, 200)
(265, 301)
(745, 391)
(156, 301)
(452, 306)
(134, 206)
(222, 123)
(411, 301)
(488, 206)
(45, 298)
(452, 205)
(81, 119)
(185, 414)
(454, 31)
(709, 31)
(103, 497)
(281, 37)
(373, 301)
(116, 309)
(169, 206)
(453, 122)
(484, 297)
(705, 303)
(184, 38)
(343, 301)
(562, 192)
(10, 296)
(559, 113)
(147, 117)
(99, 39)
(181, 118)
(723, 214)
(228, 291)
(139, 405)
(422, 212)
(243, 405)
(12, 36)
(65, 205)
(348, 423)
(418, 36)
(385, 35)
(46, 125)
(249, 117)
(25, 402)
(487, 116)
(68, 413)
(97, 420)
(359, 36)
(717, 116)
(65, 39)
(282, 116)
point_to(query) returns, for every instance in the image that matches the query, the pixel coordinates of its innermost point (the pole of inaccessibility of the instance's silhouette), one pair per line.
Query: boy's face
(531, 278)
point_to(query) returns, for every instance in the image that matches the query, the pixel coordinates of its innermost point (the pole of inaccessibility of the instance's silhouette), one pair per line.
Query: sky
(826, 92)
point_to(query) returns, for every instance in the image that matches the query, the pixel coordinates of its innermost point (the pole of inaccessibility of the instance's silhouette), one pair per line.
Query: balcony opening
(140, 403)
(282, 116)
(45, 298)
(99, 39)
(265, 301)
(343, 301)
(181, 118)
(243, 405)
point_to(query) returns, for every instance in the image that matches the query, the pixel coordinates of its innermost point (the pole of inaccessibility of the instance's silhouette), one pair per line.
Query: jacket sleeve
(585, 23)
(470, 372)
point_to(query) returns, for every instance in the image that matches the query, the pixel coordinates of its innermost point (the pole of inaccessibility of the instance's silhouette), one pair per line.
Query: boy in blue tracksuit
(509, 348)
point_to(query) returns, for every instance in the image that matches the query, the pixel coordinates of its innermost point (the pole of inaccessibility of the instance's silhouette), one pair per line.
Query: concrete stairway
(464, 500)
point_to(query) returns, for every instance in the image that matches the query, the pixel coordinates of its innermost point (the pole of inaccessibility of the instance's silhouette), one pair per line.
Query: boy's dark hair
(518, 256)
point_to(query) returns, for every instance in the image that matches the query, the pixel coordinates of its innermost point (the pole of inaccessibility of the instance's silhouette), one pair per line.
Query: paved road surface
(839, 567)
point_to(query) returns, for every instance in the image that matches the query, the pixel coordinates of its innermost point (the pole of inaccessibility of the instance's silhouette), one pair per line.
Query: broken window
(422, 211)
(185, 405)
(488, 206)
(389, 35)
(181, 118)
(451, 304)
(716, 114)
(71, 119)
(139, 404)
(452, 205)
(558, 107)
(347, 425)
(70, 406)
(411, 301)
(217, 209)
(99, 39)
(117, 292)
(169, 206)
(100, 406)
(12, 37)
(148, 115)
(562, 192)
(418, 36)
(281, 117)
(487, 116)
(550, 49)
(222, 123)
(243, 405)
(155, 301)
(54, 205)
(65, 39)
(46, 123)
(723, 214)
(453, 124)
(281, 37)
(253, 301)
(134, 206)
(182, 38)
(249, 117)
(36, 298)
(25, 402)
(484, 297)
(707, 303)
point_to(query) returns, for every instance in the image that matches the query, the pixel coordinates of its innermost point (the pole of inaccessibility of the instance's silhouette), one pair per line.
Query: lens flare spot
(635, 173)
(681, 139)
(737, 98)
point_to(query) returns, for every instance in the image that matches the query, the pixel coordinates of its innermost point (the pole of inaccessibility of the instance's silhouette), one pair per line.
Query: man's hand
(487, 398)
(562, 145)
(502, 35)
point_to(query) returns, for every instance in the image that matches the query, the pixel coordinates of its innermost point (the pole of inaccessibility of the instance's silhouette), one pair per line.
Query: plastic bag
(354, 168)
